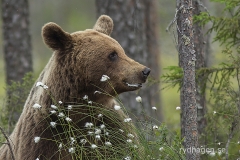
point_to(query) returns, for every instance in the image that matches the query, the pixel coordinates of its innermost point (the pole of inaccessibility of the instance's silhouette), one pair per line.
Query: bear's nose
(146, 72)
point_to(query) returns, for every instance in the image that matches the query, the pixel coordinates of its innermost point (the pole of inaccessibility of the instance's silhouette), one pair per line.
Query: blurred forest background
(75, 15)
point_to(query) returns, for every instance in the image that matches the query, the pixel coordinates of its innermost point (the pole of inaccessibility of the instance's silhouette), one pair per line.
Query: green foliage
(227, 28)
(12, 108)
(224, 107)
(17, 95)
(173, 77)
(168, 144)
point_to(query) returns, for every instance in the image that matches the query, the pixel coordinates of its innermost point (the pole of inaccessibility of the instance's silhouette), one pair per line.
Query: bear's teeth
(134, 85)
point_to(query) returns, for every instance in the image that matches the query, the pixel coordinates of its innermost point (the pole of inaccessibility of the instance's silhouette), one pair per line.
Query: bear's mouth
(135, 85)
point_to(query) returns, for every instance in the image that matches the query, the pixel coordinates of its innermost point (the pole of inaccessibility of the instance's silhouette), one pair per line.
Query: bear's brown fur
(79, 61)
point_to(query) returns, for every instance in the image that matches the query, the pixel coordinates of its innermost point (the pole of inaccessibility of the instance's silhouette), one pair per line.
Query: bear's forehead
(92, 35)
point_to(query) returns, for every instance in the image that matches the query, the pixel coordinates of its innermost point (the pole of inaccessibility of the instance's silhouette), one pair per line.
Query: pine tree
(187, 60)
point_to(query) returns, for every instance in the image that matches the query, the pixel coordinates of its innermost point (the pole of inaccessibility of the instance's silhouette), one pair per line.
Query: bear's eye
(113, 56)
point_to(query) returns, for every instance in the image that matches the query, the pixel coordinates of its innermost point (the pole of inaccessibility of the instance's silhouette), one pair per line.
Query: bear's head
(82, 58)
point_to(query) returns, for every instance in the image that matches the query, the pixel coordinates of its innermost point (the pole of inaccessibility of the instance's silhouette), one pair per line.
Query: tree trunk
(17, 54)
(135, 28)
(187, 58)
(199, 47)
(17, 42)
(207, 38)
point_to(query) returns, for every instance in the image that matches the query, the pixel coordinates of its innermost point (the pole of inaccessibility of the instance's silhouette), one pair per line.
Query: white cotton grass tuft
(69, 107)
(53, 124)
(129, 140)
(60, 102)
(100, 115)
(93, 146)
(37, 159)
(90, 133)
(127, 119)
(61, 114)
(97, 131)
(108, 143)
(127, 158)
(72, 140)
(37, 139)
(154, 108)
(116, 107)
(90, 102)
(68, 119)
(178, 108)
(130, 135)
(54, 107)
(88, 124)
(40, 84)
(85, 97)
(121, 130)
(71, 150)
(45, 87)
(139, 99)
(60, 146)
(98, 137)
(53, 112)
(36, 106)
(161, 149)
(214, 112)
(104, 78)
(106, 133)
(83, 141)
(155, 127)
(135, 146)
(102, 126)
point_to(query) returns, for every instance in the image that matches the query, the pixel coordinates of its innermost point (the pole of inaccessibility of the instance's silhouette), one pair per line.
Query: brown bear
(71, 112)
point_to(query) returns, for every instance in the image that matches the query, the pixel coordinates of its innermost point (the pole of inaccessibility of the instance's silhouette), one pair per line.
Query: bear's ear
(54, 37)
(104, 25)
